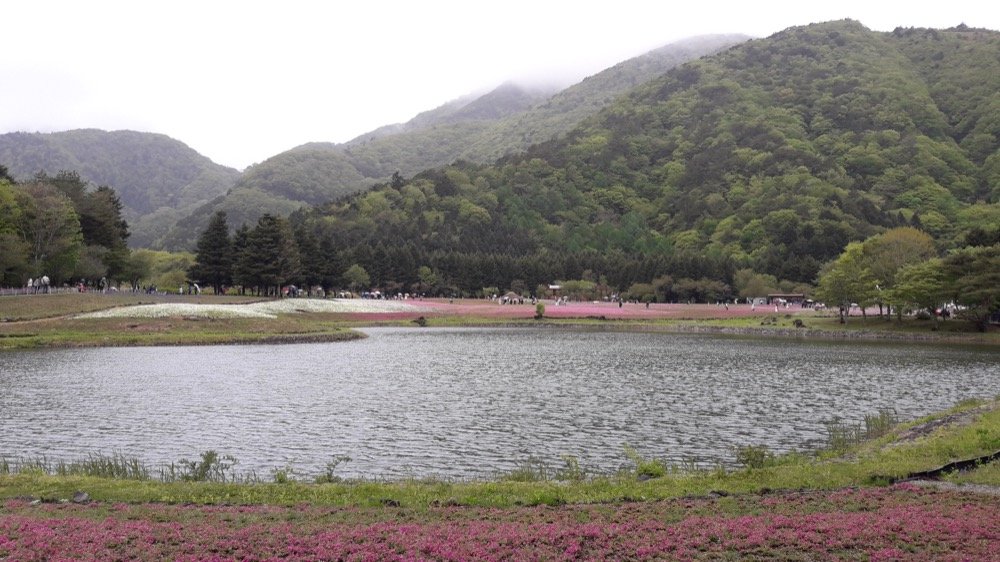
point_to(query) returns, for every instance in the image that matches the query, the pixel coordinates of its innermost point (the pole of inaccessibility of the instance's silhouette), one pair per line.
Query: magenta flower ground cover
(898, 523)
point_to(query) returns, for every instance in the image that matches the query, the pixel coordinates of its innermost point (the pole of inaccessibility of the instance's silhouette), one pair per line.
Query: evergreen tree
(310, 257)
(101, 221)
(243, 274)
(271, 258)
(332, 263)
(102, 224)
(68, 182)
(213, 263)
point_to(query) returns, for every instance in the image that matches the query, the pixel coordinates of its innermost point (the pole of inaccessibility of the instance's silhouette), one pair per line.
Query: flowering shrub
(902, 522)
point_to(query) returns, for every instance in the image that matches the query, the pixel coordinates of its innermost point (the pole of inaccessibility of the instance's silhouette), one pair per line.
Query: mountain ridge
(768, 157)
(471, 127)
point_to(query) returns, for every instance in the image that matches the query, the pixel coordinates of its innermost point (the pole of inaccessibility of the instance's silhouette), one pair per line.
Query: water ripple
(467, 402)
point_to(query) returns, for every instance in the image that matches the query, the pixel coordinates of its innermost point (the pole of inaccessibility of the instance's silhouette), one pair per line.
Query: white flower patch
(167, 310)
(268, 309)
(286, 306)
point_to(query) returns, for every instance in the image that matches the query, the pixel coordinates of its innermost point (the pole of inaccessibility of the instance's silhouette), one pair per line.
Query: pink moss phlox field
(898, 523)
(608, 310)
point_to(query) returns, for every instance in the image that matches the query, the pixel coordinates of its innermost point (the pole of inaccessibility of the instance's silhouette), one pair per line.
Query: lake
(468, 402)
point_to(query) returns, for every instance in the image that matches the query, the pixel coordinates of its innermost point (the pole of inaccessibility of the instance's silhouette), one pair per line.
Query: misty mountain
(770, 156)
(475, 128)
(158, 179)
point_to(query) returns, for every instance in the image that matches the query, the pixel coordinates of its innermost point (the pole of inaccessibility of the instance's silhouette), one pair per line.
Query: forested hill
(771, 155)
(158, 179)
(475, 128)
(566, 109)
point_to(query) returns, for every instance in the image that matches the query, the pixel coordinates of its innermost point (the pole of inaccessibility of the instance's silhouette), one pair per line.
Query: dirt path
(956, 419)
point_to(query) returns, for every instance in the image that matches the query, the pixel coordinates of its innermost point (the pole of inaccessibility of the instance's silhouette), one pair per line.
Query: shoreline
(820, 334)
(899, 453)
(687, 327)
(60, 323)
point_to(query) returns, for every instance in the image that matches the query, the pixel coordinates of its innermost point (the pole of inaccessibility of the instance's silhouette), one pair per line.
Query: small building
(786, 298)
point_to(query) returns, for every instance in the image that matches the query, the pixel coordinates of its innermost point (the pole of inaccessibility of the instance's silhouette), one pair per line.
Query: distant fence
(10, 291)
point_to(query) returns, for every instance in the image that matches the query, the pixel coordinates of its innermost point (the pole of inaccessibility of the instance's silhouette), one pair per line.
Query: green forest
(769, 158)
(827, 159)
(61, 228)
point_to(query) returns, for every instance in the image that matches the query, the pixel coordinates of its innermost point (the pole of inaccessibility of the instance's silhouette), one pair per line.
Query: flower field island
(902, 522)
(265, 309)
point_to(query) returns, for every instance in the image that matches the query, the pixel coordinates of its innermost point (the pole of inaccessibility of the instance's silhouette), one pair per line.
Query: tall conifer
(214, 261)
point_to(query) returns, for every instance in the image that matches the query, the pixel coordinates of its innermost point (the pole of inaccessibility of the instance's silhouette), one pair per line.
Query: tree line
(901, 271)
(61, 228)
(898, 270)
(277, 253)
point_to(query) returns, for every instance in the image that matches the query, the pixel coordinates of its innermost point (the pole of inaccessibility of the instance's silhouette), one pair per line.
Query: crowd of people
(40, 285)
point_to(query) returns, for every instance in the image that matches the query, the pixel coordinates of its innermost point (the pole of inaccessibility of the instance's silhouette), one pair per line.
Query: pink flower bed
(610, 311)
(899, 523)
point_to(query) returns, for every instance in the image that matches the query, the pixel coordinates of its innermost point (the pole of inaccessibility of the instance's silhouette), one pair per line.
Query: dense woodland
(770, 157)
(61, 228)
(826, 154)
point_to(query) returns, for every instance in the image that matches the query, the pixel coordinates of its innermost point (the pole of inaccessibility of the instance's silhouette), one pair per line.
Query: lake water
(466, 403)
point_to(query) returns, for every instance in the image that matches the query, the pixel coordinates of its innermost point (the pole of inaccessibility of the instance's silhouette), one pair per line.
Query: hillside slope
(474, 128)
(158, 179)
(771, 155)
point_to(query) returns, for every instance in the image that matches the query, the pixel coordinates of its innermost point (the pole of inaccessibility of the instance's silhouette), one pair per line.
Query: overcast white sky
(240, 81)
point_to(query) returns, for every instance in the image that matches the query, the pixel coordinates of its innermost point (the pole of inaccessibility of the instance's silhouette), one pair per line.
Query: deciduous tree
(847, 280)
(922, 285)
(974, 281)
(887, 253)
(51, 229)
(356, 278)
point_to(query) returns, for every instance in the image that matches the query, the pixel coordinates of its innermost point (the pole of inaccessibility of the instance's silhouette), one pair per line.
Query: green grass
(870, 463)
(988, 475)
(822, 325)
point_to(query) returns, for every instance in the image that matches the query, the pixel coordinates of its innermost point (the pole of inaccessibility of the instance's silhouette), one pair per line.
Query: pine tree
(332, 263)
(214, 261)
(271, 255)
(243, 274)
(102, 224)
(310, 258)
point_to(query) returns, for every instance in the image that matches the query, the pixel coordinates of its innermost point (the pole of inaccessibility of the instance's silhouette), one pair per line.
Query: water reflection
(467, 402)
